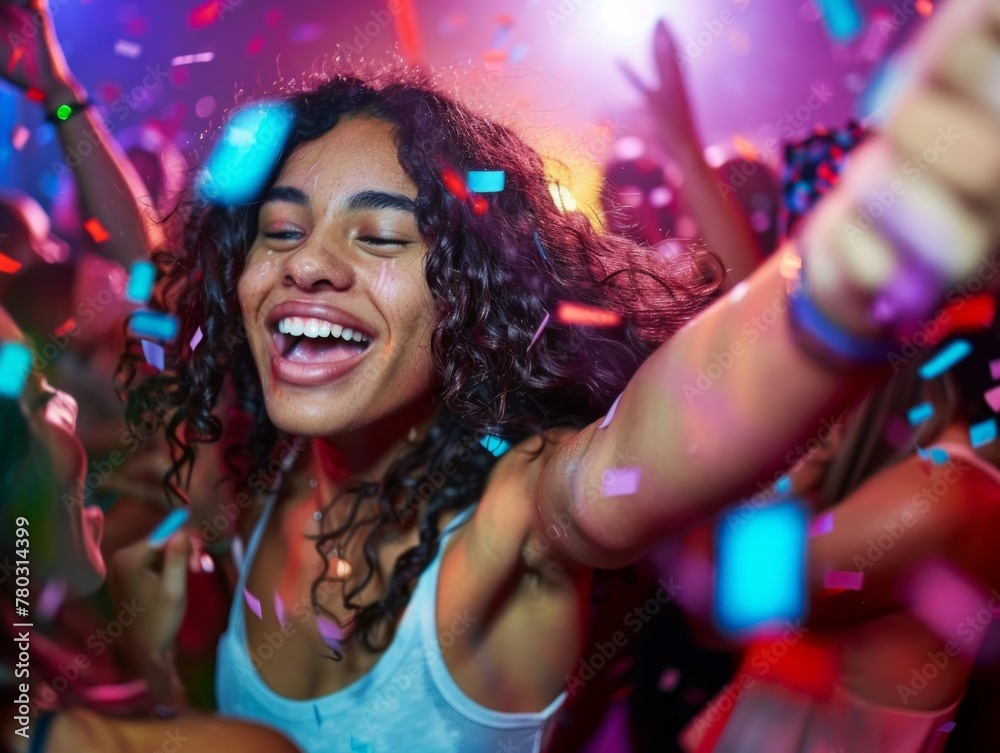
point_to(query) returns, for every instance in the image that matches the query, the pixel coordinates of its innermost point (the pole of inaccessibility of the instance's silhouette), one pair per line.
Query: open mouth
(309, 340)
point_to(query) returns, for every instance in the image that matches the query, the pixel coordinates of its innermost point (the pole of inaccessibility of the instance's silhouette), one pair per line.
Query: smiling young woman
(456, 615)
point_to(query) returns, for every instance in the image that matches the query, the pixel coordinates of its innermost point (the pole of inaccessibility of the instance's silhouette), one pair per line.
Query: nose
(318, 266)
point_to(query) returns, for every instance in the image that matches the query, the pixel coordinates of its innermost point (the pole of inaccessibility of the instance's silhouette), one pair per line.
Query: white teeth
(297, 326)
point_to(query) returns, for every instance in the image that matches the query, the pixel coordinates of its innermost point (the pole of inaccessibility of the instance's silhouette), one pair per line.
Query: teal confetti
(15, 365)
(485, 181)
(154, 325)
(936, 455)
(983, 432)
(919, 413)
(842, 18)
(945, 359)
(140, 282)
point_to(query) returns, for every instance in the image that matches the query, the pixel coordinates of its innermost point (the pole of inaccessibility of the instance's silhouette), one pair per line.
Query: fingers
(173, 582)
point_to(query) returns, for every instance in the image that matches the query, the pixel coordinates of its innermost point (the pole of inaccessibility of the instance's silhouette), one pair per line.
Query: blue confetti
(983, 432)
(783, 485)
(495, 445)
(485, 181)
(945, 359)
(936, 455)
(842, 18)
(919, 413)
(154, 325)
(761, 567)
(169, 526)
(538, 242)
(15, 365)
(153, 353)
(140, 282)
(246, 154)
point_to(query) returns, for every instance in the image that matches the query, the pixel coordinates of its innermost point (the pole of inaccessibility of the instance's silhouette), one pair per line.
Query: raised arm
(723, 224)
(109, 187)
(720, 404)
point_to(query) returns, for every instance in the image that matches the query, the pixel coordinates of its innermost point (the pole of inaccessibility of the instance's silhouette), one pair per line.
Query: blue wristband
(43, 725)
(828, 340)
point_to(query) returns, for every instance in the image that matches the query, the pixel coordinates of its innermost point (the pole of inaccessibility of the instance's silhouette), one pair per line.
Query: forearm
(109, 188)
(710, 413)
(721, 221)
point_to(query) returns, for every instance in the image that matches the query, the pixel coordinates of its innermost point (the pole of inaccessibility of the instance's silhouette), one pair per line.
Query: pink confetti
(538, 332)
(669, 679)
(586, 316)
(844, 579)
(995, 368)
(127, 49)
(992, 398)
(20, 137)
(253, 602)
(947, 727)
(821, 524)
(195, 339)
(619, 482)
(279, 609)
(115, 694)
(207, 563)
(52, 597)
(611, 413)
(942, 598)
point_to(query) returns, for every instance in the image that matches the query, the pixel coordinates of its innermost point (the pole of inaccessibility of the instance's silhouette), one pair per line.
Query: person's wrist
(63, 92)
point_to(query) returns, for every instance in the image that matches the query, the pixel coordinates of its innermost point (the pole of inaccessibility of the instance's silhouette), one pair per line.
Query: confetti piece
(279, 609)
(127, 49)
(245, 155)
(331, 633)
(936, 455)
(947, 727)
(14, 58)
(841, 17)
(844, 580)
(408, 32)
(619, 482)
(919, 413)
(945, 359)
(155, 325)
(761, 568)
(454, 183)
(20, 137)
(153, 353)
(995, 368)
(745, 149)
(485, 181)
(783, 485)
(196, 338)
(821, 525)
(538, 332)
(117, 693)
(96, 230)
(207, 563)
(942, 598)
(669, 679)
(140, 282)
(992, 398)
(35, 94)
(611, 413)
(170, 525)
(204, 15)
(15, 365)
(968, 315)
(495, 445)
(52, 597)
(253, 602)
(7, 265)
(538, 243)
(236, 550)
(983, 433)
(201, 57)
(588, 316)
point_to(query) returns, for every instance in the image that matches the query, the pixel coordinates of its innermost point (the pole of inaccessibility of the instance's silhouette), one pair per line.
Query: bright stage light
(627, 18)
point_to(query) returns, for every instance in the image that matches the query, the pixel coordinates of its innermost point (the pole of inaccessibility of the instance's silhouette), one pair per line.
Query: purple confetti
(53, 595)
(153, 353)
(947, 727)
(611, 413)
(538, 332)
(236, 549)
(618, 482)
(845, 579)
(669, 679)
(822, 524)
(253, 602)
(279, 609)
(332, 635)
(195, 339)
(995, 368)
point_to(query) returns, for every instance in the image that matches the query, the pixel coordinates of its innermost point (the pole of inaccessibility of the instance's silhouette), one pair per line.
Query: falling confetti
(538, 332)
(821, 525)
(919, 413)
(936, 455)
(841, 17)
(155, 325)
(196, 338)
(201, 57)
(15, 365)
(983, 433)
(947, 727)
(140, 282)
(619, 482)
(995, 369)
(253, 602)
(331, 633)
(945, 359)
(844, 580)
(7, 265)
(236, 549)
(170, 525)
(279, 609)
(992, 398)
(96, 230)
(578, 314)
(455, 185)
(541, 250)
(486, 181)
(19, 137)
(611, 413)
(153, 353)
(52, 597)
(127, 49)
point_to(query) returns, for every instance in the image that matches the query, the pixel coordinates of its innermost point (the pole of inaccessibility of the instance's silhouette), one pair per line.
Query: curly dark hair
(496, 265)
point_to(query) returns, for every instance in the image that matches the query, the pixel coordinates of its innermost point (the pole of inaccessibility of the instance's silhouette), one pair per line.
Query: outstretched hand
(30, 55)
(668, 102)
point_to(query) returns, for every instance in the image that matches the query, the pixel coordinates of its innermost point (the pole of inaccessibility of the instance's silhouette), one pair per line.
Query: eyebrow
(363, 200)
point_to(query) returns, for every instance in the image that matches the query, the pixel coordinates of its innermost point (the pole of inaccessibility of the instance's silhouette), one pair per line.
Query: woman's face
(336, 307)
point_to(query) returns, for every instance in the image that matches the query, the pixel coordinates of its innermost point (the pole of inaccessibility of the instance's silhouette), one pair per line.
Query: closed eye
(373, 241)
(284, 235)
